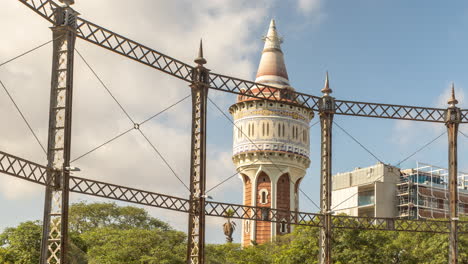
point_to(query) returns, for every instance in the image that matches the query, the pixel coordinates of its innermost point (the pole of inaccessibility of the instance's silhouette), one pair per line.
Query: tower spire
(200, 60)
(326, 88)
(453, 101)
(272, 69)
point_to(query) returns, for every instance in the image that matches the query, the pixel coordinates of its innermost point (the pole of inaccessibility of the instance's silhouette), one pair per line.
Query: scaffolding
(423, 192)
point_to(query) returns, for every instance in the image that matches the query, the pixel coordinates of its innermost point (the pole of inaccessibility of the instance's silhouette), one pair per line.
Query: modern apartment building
(387, 191)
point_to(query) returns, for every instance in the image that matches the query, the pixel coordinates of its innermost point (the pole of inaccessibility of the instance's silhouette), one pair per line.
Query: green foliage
(85, 217)
(21, 245)
(101, 233)
(105, 233)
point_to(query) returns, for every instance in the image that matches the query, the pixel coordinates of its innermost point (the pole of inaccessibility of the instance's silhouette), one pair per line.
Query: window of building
(283, 226)
(268, 129)
(283, 130)
(279, 130)
(247, 226)
(263, 196)
(263, 129)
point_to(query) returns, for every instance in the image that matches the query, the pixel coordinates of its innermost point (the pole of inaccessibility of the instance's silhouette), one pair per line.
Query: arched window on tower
(279, 130)
(263, 196)
(268, 129)
(283, 130)
(249, 130)
(253, 131)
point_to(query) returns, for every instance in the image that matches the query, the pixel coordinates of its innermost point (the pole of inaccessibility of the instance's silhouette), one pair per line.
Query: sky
(398, 52)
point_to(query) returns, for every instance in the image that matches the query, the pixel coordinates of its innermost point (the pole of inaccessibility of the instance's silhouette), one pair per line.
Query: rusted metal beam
(54, 246)
(453, 118)
(327, 110)
(196, 235)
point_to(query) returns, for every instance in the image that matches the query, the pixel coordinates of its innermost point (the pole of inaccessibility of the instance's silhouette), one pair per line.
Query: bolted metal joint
(327, 104)
(453, 115)
(66, 16)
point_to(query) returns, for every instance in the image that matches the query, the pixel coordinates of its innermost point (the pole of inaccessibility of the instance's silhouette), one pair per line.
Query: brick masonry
(263, 228)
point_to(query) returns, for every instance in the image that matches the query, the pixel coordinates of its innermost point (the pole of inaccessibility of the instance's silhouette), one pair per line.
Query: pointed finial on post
(453, 101)
(67, 2)
(326, 88)
(200, 60)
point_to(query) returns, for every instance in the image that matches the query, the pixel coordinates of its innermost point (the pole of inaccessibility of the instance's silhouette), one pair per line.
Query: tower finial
(67, 2)
(453, 101)
(200, 60)
(326, 88)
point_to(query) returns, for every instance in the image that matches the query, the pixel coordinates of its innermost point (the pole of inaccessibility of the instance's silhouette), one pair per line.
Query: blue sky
(400, 52)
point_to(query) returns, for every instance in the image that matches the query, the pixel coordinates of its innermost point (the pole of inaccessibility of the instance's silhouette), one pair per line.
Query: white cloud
(307, 7)
(172, 27)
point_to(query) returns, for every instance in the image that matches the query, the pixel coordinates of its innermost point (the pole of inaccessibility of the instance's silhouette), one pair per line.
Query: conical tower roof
(272, 70)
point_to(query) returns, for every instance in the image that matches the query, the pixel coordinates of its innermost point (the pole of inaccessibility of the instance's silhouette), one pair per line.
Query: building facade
(386, 191)
(270, 145)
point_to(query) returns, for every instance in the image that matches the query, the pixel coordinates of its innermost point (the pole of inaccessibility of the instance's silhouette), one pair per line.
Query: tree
(85, 217)
(229, 226)
(21, 244)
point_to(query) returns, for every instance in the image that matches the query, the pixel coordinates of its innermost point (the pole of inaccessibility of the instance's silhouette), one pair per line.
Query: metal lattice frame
(57, 177)
(326, 121)
(453, 118)
(33, 172)
(196, 235)
(54, 246)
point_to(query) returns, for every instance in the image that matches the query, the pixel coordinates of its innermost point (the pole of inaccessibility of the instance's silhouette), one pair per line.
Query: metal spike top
(67, 2)
(453, 101)
(200, 60)
(326, 88)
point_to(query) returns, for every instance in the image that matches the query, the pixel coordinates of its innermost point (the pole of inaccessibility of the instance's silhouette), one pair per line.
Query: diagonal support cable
(135, 125)
(421, 148)
(130, 129)
(23, 117)
(27, 52)
(359, 143)
(105, 87)
(396, 165)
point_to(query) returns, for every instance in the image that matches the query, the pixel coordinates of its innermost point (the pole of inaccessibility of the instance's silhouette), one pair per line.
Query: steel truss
(126, 47)
(34, 172)
(56, 178)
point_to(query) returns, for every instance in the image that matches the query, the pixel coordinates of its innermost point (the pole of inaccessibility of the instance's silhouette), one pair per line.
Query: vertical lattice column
(327, 109)
(55, 231)
(196, 236)
(452, 119)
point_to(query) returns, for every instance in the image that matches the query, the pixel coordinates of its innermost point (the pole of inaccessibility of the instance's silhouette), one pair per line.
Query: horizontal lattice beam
(262, 214)
(133, 50)
(246, 89)
(391, 224)
(34, 172)
(45, 8)
(126, 194)
(21, 168)
(403, 112)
